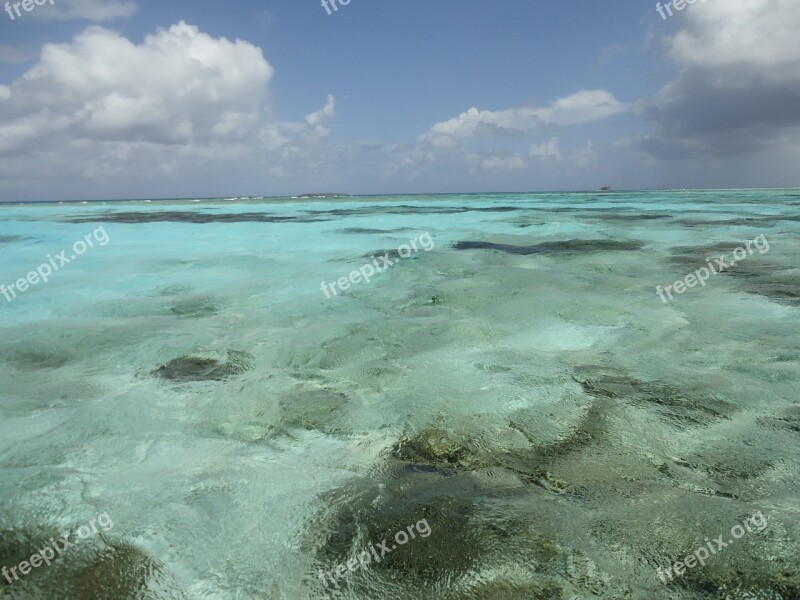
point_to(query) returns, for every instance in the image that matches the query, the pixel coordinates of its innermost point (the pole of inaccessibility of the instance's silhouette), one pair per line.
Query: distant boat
(605, 188)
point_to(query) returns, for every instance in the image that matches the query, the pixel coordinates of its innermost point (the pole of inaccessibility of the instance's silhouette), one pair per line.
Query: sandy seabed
(521, 387)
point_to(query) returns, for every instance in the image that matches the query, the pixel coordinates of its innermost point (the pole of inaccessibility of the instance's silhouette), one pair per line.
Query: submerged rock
(368, 231)
(761, 222)
(407, 209)
(32, 358)
(514, 448)
(433, 446)
(319, 409)
(10, 239)
(97, 569)
(370, 512)
(392, 255)
(204, 368)
(555, 248)
(167, 216)
(195, 307)
(118, 571)
(428, 469)
(682, 408)
(514, 445)
(788, 422)
(754, 273)
(437, 475)
(759, 569)
(490, 532)
(501, 538)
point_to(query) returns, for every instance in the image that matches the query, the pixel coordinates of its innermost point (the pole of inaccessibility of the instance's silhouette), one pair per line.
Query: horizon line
(323, 196)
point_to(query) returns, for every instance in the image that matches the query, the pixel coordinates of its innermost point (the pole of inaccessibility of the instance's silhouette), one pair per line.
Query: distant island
(322, 196)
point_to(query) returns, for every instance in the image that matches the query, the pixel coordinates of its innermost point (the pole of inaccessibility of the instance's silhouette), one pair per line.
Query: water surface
(521, 387)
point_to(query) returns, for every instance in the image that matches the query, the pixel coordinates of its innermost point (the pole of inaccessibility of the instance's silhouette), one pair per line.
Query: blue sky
(126, 98)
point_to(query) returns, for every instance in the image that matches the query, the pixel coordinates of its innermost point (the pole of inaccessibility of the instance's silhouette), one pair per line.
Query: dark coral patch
(755, 274)
(682, 408)
(555, 248)
(133, 218)
(195, 308)
(437, 510)
(203, 368)
(99, 568)
(10, 239)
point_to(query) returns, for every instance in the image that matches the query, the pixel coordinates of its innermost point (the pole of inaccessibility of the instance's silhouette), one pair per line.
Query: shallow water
(521, 387)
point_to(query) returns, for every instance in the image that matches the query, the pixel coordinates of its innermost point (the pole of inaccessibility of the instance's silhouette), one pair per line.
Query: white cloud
(754, 33)
(546, 150)
(585, 156)
(456, 143)
(319, 122)
(582, 107)
(181, 104)
(738, 89)
(178, 87)
(514, 162)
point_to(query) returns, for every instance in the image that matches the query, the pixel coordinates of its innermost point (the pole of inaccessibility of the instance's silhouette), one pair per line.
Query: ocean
(505, 372)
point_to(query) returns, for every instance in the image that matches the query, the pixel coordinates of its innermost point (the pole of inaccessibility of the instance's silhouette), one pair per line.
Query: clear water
(562, 430)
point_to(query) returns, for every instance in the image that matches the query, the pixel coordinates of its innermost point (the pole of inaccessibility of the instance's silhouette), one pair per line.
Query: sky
(122, 99)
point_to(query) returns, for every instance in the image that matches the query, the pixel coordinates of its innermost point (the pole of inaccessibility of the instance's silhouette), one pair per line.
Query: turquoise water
(520, 386)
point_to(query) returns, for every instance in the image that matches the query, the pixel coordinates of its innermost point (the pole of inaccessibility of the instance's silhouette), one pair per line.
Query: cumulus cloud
(497, 163)
(456, 143)
(739, 86)
(179, 86)
(179, 104)
(584, 156)
(582, 107)
(318, 129)
(546, 150)
(752, 33)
